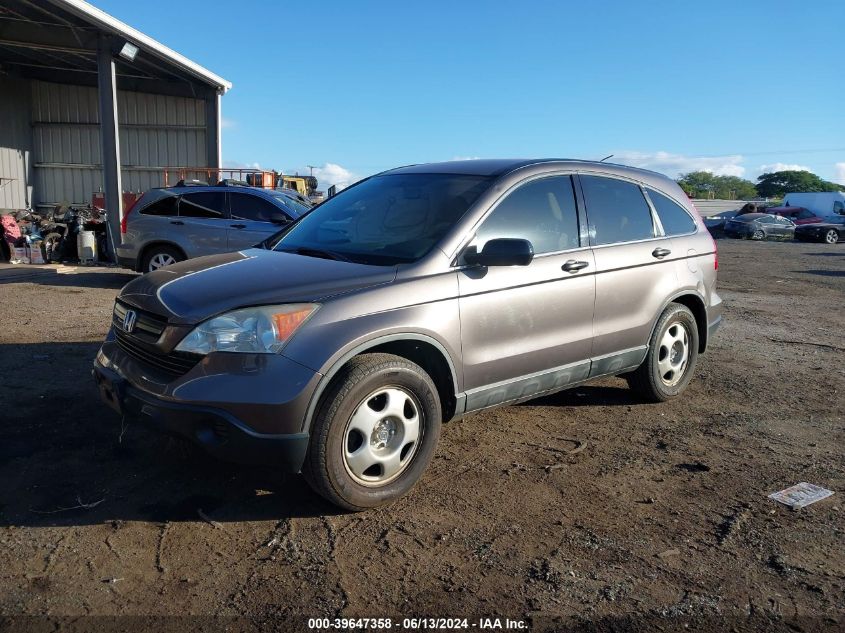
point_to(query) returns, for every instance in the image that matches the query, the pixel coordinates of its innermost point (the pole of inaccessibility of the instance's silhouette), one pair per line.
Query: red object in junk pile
(11, 231)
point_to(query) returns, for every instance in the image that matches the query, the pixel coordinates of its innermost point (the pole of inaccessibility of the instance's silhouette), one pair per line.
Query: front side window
(203, 204)
(542, 211)
(247, 207)
(673, 217)
(385, 220)
(617, 210)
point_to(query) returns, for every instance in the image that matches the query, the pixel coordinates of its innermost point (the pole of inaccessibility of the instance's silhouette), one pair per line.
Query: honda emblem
(129, 321)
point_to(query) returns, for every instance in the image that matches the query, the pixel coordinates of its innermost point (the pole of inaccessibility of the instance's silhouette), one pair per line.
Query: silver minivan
(339, 346)
(172, 224)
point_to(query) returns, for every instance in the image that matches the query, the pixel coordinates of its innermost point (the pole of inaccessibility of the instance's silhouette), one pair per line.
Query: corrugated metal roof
(102, 20)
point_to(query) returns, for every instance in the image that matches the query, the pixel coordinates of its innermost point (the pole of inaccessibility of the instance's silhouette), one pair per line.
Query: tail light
(126, 213)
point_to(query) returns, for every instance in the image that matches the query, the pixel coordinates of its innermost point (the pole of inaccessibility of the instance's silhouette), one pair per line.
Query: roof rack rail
(191, 183)
(232, 182)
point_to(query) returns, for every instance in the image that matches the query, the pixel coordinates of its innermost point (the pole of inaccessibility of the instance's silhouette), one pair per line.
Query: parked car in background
(799, 215)
(760, 226)
(294, 195)
(716, 223)
(822, 203)
(171, 224)
(411, 298)
(831, 230)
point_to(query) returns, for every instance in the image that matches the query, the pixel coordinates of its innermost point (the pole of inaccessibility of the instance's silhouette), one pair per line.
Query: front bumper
(236, 407)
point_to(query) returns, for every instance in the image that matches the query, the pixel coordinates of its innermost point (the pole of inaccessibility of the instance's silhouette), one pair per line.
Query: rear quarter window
(673, 217)
(166, 206)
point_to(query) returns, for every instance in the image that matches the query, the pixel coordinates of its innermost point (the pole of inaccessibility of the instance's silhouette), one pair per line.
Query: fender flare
(363, 347)
(702, 335)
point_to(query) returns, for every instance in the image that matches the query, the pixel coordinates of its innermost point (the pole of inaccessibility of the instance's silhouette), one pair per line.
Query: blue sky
(358, 87)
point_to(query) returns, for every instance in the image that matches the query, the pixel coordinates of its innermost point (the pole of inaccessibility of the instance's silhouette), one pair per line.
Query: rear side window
(673, 217)
(203, 204)
(165, 206)
(617, 210)
(542, 212)
(247, 207)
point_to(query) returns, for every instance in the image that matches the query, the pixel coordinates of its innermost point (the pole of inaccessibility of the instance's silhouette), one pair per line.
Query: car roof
(500, 166)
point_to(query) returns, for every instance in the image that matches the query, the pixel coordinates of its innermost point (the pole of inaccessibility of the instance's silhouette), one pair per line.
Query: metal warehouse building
(87, 104)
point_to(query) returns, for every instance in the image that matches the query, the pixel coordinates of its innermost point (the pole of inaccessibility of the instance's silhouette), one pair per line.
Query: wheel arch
(420, 349)
(696, 305)
(142, 254)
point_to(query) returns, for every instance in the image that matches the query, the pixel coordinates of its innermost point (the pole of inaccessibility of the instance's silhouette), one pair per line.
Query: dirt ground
(661, 521)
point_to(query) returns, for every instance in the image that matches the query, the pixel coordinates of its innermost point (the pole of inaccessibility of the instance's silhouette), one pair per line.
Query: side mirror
(279, 218)
(503, 251)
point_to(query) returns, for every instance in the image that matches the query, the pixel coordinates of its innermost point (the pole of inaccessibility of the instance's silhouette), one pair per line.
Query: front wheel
(672, 355)
(758, 235)
(374, 433)
(831, 237)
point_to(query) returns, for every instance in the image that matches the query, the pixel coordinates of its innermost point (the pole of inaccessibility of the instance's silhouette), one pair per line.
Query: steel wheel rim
(673, 354)
(161, 260)
(382, 436)
(832, 237)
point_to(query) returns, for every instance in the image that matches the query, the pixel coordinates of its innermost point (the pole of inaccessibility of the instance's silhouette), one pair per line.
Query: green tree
(779, 183)
(703, 184)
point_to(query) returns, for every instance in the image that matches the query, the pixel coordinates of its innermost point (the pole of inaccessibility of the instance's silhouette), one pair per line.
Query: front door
(528, 329)
(250, 220)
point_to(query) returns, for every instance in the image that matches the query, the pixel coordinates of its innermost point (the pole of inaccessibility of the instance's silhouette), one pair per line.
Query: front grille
(140, 344)
(148, 326)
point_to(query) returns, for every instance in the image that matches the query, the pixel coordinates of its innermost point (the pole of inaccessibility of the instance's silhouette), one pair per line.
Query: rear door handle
(177, 222)
(573, 266)
(238, 226)
(660, 253)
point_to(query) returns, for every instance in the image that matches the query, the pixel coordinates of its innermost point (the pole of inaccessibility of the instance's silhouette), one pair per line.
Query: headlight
(263, 330)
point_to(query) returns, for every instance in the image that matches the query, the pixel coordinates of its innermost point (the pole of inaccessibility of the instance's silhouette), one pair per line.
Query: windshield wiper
(316, 252)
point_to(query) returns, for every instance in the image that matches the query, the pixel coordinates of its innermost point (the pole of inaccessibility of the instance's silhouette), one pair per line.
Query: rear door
(635, 270)
(250, 219)
(201, 225)
(528, 329)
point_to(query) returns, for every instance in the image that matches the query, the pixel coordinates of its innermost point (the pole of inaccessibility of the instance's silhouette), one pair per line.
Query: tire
(652, 379)
(832, 236)
(758, 235)
(159, 257)
(349, 431)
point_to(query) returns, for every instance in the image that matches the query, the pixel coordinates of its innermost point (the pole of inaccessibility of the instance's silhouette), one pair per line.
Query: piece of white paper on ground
(801, 495)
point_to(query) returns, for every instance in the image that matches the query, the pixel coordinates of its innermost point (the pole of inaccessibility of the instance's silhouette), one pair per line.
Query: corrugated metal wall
(15, 143)
(156, 131)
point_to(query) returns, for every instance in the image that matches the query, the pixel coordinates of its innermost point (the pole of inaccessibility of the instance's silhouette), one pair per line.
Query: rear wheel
(672, 355)
(374, 433)
(758, 235)
(832, 236)
(160, 257)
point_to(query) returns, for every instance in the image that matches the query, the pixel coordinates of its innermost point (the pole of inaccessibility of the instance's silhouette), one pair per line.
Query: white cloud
(768, 169)
(839, 173)
(236, 164)
(674, 164)
(332, 174)
(465, 158)
(227, 124)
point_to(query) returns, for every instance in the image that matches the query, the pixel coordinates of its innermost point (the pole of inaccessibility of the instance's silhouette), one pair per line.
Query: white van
(822, 204)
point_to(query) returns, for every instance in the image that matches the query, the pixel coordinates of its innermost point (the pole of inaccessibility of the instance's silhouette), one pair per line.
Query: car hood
(820, 225)
(200, 288)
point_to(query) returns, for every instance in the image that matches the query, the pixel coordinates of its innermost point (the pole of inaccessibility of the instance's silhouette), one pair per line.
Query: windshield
(385, 220)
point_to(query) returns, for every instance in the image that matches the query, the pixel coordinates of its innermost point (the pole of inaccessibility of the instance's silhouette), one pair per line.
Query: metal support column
(214, 155)
(109, 138)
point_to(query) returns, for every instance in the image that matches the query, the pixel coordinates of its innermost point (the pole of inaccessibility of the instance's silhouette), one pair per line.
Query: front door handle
(238, 226)
(177, 222)
(660, 253)
(573, 266)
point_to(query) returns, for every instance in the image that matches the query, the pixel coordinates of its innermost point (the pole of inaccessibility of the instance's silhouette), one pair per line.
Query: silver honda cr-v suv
(339, 346)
